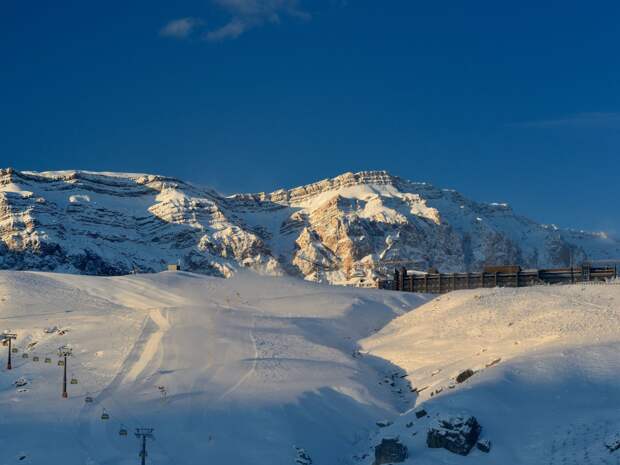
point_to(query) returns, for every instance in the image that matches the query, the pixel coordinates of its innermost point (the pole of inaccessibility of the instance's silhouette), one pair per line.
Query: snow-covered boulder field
(537, 367)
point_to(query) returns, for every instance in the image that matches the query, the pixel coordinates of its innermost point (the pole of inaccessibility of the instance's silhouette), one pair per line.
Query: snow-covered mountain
(343, 230)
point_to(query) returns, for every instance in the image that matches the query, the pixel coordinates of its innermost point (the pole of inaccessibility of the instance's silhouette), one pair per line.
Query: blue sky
(504, 101)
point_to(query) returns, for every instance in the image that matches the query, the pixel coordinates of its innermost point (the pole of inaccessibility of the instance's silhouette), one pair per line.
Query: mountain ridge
(349, 229)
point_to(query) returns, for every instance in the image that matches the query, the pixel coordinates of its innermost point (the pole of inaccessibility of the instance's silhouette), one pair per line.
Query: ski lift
(88, 399)
(122, 431)
(61, 363)
(35, 358)
(73, 380)
(48, 360)
(24, 355)
(105, 415)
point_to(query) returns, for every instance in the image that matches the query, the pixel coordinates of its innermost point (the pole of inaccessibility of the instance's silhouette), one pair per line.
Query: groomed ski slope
(547, 384)
(242, 370)
(226, 371)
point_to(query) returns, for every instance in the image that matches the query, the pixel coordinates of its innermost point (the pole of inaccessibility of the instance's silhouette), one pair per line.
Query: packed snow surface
(249, 370)
(260, 370)
(546, 359)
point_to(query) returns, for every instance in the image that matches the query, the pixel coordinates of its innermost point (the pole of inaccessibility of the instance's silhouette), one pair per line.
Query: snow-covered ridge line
(344, 230)
(301, 193)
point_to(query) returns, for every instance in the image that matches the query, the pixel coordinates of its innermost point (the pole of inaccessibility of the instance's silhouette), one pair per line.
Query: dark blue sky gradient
(503, 101)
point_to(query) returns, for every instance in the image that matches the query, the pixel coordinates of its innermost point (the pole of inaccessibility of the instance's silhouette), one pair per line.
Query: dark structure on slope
(434, 282)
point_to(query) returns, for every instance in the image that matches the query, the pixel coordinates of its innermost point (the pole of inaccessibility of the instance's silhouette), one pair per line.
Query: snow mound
(544, 360)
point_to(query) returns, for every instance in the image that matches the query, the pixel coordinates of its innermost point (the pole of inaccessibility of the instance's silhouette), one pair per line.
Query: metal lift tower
(144, 433)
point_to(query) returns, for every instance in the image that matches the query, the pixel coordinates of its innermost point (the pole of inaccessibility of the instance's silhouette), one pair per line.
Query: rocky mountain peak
(345, 230)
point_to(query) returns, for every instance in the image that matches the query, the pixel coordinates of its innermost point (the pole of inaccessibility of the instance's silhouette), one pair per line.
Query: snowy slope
(546, 388)
(345, 230)
(226, 371)
(245, 369)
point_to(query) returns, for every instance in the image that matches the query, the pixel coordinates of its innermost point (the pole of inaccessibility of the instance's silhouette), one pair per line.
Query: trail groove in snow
(251, 370)
(151, 347)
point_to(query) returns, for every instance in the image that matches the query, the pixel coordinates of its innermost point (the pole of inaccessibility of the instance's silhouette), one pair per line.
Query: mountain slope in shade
(341, 230)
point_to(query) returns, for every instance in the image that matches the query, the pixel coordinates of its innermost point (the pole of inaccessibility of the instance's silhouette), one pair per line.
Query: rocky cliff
(344, 230)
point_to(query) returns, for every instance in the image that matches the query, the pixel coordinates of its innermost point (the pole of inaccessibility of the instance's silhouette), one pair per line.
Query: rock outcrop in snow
(390, 450)
(343, 230)
(457, 434)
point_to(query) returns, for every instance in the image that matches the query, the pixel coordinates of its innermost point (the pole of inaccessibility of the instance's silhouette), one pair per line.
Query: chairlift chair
(122, 431)
(35, 358)
(61, 363)
(24, 355)
(88, 399)
(48, 360)
(15, 350)
(74, 380)
(105, 415)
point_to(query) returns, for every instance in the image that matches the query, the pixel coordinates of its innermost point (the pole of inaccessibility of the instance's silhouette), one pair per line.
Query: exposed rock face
(456, 434)
(613, 443)
(302, 457)
(342, 230)
(464, 375)
(390, 451)
(484, 445)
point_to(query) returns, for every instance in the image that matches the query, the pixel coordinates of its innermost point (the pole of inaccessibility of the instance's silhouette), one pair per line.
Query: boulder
(390, 451)
(613, 443)
(484, 445)
(465, 375)
(20, 382)
(303, 458)
(457, 434)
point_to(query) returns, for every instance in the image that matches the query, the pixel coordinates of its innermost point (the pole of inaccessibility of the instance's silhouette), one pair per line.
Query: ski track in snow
(152, 346)
(253, 365)
(91, 427)
(250, 371)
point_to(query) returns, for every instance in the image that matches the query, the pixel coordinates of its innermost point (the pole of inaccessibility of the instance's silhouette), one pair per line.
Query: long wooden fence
(508, 276)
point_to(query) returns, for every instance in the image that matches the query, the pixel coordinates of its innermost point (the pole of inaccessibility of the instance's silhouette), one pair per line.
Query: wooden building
(434, 282)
